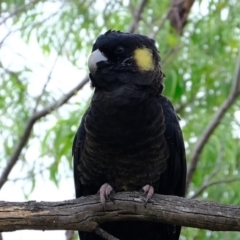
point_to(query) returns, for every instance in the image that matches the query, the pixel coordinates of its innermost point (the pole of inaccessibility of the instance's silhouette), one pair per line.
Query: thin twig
(161, 24)
(30, 175)
(170, 54)
(18, 10)
(137, 16)
(29, 126)
(209, 177)
(179, 108)
(51, 70)
(234, 93)
(30, 25)
(69, 234)
(217, 164)
(105, 235)
(209, 184)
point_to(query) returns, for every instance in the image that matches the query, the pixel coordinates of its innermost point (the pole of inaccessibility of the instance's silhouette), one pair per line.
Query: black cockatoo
(129, 138)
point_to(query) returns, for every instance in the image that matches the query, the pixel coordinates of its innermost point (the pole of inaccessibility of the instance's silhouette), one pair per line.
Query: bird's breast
(125, 143)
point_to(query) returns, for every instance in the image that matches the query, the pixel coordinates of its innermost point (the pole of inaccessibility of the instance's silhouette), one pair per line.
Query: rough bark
(86, 213)
(179, 11)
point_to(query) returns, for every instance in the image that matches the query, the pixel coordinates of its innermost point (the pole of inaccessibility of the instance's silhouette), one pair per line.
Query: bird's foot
(104, 192)
(148, 191)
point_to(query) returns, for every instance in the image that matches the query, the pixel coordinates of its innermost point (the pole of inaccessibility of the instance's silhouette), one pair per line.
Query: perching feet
(104, 192)
(148, 191)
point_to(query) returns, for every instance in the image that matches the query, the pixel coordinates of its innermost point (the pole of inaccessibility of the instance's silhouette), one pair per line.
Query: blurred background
(44, 46)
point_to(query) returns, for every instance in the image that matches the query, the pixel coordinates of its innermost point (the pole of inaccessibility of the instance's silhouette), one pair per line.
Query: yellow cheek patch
(144, 59)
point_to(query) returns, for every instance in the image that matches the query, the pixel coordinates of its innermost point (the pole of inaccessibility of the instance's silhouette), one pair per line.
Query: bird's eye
(119, 50)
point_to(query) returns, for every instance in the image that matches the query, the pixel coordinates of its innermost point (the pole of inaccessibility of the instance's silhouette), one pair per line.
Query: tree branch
(137, 16)
(234, 93)
(105, 235)
(51, 70)
(208, 178)
(161, 23)
(86, 213)
(179, 13)
(32, 25)
(19, 10)
(29, 126)
(209, 184)
(69, 235)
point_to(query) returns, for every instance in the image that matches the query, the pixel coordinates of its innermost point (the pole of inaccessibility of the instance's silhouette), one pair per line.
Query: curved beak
(94, 58)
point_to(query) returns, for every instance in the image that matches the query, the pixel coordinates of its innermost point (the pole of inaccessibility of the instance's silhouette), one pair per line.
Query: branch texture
(87, 213)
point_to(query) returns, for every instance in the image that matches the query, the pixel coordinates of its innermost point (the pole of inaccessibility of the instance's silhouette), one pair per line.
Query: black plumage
(130, 136)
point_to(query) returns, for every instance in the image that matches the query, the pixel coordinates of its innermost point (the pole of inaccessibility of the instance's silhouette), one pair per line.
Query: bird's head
(119, 57)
